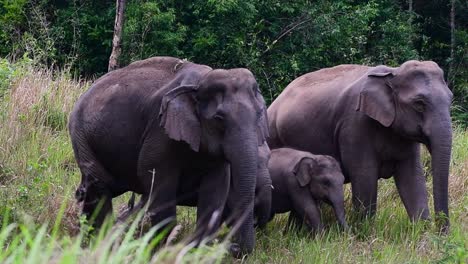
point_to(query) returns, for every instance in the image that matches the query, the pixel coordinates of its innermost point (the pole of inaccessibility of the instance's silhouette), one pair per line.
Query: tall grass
(29, 243)
(39, 216)
(37, 169)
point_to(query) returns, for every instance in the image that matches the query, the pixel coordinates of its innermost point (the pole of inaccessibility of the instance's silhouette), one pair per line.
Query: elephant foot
(235, 250)
(443, 224)
(344, 227)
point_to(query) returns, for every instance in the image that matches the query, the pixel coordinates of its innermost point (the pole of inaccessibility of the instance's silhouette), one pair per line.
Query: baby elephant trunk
(338, 206)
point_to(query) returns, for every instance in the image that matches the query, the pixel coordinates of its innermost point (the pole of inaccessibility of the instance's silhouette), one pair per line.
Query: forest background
(277, 40)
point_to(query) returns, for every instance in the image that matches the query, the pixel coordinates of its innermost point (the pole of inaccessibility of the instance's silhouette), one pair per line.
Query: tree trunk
(452, 42)
(410, 11)
(117, 40)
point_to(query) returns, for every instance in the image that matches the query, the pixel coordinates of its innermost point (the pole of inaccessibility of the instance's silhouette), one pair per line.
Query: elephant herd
(181, 133)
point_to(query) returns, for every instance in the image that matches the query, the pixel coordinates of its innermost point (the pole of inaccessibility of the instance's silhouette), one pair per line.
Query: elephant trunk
(263, 197)
(440, 145)
(338, 207)
(242, 155)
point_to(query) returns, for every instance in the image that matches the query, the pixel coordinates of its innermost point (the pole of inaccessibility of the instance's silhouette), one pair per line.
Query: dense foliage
(277, 40)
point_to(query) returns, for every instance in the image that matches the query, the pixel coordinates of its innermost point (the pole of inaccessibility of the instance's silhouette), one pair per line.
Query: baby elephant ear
(178, 116)
(303, 170)
(376, 96)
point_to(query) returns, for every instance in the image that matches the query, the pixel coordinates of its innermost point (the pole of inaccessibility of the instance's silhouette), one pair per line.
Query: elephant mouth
(422, 139)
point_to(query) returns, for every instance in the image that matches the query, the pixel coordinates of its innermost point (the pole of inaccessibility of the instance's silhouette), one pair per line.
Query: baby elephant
(300, 180)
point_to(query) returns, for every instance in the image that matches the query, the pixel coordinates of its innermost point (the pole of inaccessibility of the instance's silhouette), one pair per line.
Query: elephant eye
(419, 105)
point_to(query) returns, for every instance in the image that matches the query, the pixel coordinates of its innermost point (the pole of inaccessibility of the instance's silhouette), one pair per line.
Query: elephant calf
(300, 180)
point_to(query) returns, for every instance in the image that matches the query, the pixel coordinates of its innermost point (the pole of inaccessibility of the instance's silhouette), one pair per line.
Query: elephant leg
(132, 209)
(226, 216)
(262, 208)
(94, 190)
(360, 162)
(312, 217)
(306, 208)
(212, 197)
(162, 196)
(159, 172)
(411, 185)
(364, 190)
(263, 196)
(294, 222)
(97, 204)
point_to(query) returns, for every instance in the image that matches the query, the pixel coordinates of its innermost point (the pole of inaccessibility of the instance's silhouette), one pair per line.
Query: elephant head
(414, 101)
(323, 176)
(224, 114)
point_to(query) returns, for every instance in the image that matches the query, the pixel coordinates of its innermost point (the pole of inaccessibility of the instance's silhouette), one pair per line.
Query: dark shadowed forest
(277, 40)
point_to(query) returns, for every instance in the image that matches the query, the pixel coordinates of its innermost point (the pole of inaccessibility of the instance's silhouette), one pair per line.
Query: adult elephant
(187, 196)
(161, 122)
(372, 120)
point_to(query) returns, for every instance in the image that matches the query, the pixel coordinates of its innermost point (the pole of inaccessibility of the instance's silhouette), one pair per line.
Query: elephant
(165, 128)
(372, 120)
(263, 190)
(262, 201)
(302, 180)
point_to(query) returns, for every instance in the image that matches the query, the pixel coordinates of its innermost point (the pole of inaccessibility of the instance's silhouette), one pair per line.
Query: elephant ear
(303, 170)
(178, 116)
(376, 96)
(262, 118)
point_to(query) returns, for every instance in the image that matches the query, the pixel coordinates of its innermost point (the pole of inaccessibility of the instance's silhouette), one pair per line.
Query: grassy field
(40, 218)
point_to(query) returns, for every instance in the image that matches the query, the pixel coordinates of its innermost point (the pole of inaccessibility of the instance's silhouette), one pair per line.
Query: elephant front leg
(262, 207)
(305, 207)
(411, 185)
(364, 190)
(162, 195)
(294, 222)
(158, 175)
(212, 197)
(361, 165)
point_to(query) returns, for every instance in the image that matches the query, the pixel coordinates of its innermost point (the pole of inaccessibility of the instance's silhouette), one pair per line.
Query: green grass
(30, 243)
(38, 177)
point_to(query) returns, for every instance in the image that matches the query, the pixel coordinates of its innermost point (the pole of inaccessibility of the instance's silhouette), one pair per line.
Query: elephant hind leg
(96, 197)
(95, 187)
(97, 204)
